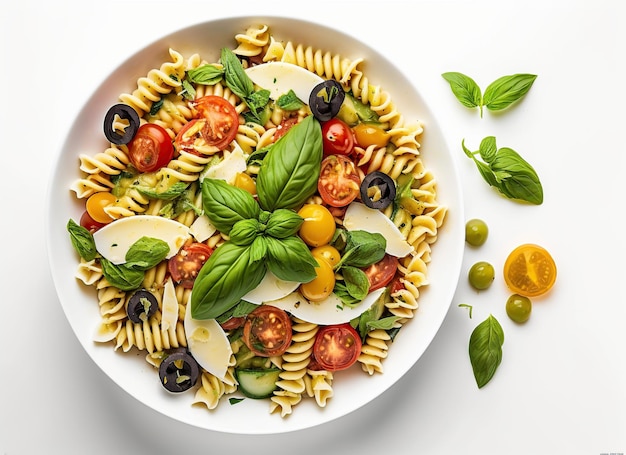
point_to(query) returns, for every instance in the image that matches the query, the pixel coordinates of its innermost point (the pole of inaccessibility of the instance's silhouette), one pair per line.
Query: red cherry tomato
(233, 323)
(336, 347)
(151, 148)
(339, 182)
(337, 137)
(284, 126)
(216, 125)
(267, 331)
(381, 273)
(186, 264)
(89, 223)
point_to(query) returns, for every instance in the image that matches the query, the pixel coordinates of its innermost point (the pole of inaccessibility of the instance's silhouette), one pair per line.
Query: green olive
(476, 232)
(518, 308)
(481, 275)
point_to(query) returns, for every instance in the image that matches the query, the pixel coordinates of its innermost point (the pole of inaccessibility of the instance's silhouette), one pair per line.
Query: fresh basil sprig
(241, 85)
(507, 171)
(82, 240)
(485, 349)
(226, 204)
(498, 95)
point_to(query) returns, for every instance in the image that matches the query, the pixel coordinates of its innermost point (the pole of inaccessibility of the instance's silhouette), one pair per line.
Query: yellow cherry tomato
(95, 206)
(245, 182)
(327, 253)
(318, 227)
(368, 134)
(322, 285)
(529, 270)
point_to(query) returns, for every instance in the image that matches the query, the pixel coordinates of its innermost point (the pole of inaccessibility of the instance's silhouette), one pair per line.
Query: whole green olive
(518, 308)
(476, 232)
(481, 275)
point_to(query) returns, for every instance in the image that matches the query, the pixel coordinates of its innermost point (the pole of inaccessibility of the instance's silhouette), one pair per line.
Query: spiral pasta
(162, 97)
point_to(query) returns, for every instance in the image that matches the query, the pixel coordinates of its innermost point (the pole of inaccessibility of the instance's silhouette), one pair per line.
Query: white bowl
(352, 388)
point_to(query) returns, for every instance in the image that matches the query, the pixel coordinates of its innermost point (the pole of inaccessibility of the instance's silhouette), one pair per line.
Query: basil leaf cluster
(262, 236)
(498, 95)
(485, 349)
(507, 171)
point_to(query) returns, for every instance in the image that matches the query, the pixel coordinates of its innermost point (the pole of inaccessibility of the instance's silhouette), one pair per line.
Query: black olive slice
(386, 186)
(125, 112)
(178, 372)
(326, 99)
(141, 302)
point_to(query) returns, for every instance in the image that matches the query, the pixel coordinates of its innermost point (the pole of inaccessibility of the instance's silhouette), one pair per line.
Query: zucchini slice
(257, 383)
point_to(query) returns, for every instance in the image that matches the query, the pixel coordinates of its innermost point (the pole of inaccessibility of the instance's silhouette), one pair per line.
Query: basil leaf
(362, 249)
(235, 76)
(289, 173)
(488, 149)
(82, 241)
(171, 193)
(356, 281)
(508, 172)
(188, 92)
(504, 91)
(226, 276)
(283, 223)
(385, 324)
(245, 231)
(205, 75)
(485, 349)
(120, 276)
(372, 314)
(225, 204)
(289, 101)
(464, 89)
(145, 253)
(341, 291)
(257, 103)
(290, 259)
(258, 249)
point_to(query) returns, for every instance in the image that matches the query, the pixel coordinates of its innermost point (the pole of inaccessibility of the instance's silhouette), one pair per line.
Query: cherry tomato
(322, 285)
(396, 285)
(327, 253)
(337, 137)
(367, 134)
(336, 347)
(284, 126)
(96, 204)
(339, 182)
(530, 270)
(151, 148)
(381, 273)
(216, 125)
(233, 323)
(267, 331)
(89, 223)
(245, 182)
(318, 226)
(186, 264)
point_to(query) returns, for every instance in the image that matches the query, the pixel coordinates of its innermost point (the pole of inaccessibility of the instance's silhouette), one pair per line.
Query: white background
(561, 387)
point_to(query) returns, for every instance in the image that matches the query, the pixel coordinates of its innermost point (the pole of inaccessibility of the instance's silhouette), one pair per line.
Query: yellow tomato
(322, 285)
(318, 227)
(95, 206)
(245, 182)
(529, 270)
(368, 134)
(327, 253)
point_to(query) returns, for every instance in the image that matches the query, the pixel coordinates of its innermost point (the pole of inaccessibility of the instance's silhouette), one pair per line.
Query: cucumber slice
(257, 383)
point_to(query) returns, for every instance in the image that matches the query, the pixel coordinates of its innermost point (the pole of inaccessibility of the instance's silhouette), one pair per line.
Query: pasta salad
(257, 223)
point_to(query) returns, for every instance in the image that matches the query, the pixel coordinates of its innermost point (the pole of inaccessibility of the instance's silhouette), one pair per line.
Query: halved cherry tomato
(151, 148)
(89, 223)
(216, 125)
(96, 203)
(530, 270)
(339, 182)
(381, 273)
(337, 137)
(284, 126)
(336, 347)
(186, 264)
(267, 331)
